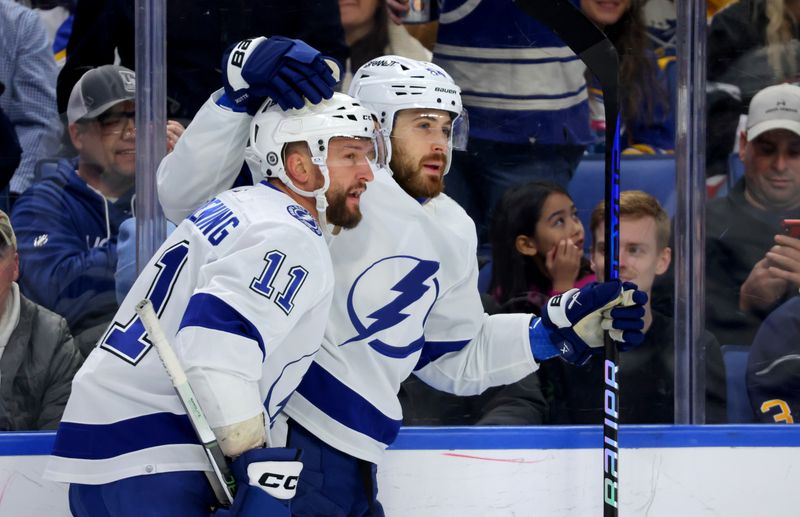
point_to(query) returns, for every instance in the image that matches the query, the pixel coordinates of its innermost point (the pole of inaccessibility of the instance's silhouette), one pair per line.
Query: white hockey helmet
(315, 124)
(389, 84)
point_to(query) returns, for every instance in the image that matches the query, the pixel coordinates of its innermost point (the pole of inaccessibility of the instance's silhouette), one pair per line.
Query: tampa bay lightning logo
(389, 303)
(302, 215)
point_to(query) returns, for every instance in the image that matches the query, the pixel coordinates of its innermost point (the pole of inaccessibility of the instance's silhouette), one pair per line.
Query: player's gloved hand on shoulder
(288, 71)
(572, 323)
(266, 481)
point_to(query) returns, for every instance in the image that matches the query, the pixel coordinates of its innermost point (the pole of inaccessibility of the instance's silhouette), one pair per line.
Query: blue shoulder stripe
(207, 311)
(346, 406)
(103, 441)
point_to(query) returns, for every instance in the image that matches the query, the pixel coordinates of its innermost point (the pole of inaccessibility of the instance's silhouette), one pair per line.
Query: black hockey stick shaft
(599, 55)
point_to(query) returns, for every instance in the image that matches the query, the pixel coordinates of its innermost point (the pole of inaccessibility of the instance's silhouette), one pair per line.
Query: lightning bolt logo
(410, 288)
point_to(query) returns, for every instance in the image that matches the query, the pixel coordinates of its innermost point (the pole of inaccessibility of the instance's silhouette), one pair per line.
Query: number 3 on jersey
(263, 285)
(128, 341)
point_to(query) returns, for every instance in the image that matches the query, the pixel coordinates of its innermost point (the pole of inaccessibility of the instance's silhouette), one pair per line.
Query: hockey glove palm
(266, 481)
(572, 323)
(285, 70)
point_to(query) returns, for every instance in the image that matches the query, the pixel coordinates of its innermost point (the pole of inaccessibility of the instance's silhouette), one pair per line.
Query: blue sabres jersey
(773, 369)
(242, 288)
(520, 83)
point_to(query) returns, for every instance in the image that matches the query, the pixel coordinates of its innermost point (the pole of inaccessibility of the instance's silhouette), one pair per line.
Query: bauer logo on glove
(288, 71)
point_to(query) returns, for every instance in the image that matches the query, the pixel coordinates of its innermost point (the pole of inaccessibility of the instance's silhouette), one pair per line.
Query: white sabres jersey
(405, 298)
(243, 289)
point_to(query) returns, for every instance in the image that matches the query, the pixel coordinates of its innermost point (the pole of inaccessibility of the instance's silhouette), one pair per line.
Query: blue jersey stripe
(433, 350)
(490, 95)
(103, 441)
(511, 61)
(560, 127)
(346, 406)
(207, 311)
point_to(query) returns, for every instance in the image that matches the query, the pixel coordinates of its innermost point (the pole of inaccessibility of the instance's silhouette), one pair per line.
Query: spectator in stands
(750, 267)
(68, 223)
(661, 21)
(37, 355)
(751, 44)
(537, 247)
(773, 369)
(198, 32)
(370, 33)
(526, 98)
(647, 116)
(537, 252)
(647, 373)
(28, 71)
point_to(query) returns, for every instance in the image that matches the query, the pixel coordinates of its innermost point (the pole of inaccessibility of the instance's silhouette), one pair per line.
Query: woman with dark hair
(537, 247)
(370, 33)
(647, 115)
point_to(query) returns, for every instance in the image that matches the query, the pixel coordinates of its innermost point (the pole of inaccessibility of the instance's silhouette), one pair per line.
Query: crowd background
(534, 151)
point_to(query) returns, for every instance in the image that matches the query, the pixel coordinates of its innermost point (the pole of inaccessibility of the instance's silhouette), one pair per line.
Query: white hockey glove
(572, 323)
(266, 481)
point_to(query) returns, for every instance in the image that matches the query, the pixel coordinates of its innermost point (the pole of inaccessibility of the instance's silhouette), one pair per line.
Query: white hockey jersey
(405, 298)
(242, 288)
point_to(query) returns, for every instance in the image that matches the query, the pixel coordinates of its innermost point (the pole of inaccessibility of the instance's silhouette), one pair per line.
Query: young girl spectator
(647, 116)
(537, 247)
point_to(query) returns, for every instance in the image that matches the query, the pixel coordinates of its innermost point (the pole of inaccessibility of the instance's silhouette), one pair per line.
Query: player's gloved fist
(266, 481)
(288, 71)
(572, 323)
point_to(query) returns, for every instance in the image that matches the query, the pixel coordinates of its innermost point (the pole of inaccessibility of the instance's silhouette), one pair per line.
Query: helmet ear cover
(389, 84)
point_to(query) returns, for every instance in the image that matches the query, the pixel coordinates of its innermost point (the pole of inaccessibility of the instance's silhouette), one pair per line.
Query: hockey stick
(600, 57)
(221, 479)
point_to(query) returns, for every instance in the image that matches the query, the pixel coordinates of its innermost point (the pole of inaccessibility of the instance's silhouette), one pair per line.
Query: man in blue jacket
(67, 223)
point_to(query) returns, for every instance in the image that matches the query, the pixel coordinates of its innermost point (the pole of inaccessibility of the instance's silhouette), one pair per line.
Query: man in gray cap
(751, 265)
(67, 223)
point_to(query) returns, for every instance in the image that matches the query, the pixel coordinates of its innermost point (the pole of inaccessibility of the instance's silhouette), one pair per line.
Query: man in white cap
(751, 266)
(67, 222)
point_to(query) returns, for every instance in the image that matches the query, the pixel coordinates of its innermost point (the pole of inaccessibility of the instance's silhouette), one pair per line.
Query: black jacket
(198, 32)
(10, 151)
(737, 236)
(646, 376)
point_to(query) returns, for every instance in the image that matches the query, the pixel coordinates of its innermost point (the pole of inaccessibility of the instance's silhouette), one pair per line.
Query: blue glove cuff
(226, 102)
(541, 341)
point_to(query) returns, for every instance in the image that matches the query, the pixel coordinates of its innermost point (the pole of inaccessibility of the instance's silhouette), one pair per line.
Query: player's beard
(411, 178)
(338, 213)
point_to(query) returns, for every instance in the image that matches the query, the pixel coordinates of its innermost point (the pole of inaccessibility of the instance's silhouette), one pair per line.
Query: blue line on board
(539, 437)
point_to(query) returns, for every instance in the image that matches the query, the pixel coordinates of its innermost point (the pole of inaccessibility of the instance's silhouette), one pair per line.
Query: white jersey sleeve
(243, 290)
(221, 339)
(467, 351)
(205, 161)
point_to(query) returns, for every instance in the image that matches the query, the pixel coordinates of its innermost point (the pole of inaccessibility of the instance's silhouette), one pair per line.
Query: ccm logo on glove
(277, 478)
(272, 480)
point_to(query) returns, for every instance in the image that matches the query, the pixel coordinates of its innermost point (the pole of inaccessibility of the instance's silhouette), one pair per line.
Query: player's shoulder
(446, 211)
(265, 206)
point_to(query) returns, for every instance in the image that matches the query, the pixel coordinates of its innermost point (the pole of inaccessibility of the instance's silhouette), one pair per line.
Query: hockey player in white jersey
(405, 298)
(243, 288)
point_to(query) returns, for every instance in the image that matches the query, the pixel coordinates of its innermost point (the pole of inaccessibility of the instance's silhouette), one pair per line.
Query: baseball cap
(7, 237)
(99, 89)
(774, 107)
